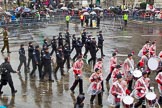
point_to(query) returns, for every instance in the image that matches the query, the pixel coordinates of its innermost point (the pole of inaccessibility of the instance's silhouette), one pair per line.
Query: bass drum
(137, 74)
(128, 102)
(153, 63)
(151, 98)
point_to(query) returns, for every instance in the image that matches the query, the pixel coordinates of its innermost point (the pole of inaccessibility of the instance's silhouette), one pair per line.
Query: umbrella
(8, 13)
(18, 9)
(93, 13)
(26, 10)
(98, 8)
(85, 13)
(64, 8)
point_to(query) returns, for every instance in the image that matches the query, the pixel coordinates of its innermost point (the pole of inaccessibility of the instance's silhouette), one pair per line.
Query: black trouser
(101, 48)
(130, 84)
(81, 23)
(102, 84)
(72, 48)
(34, 69)
(86, 51)
(6, 44)
(67, 24)
(99, 98)
(10, 82)
(78, 52)
(140, 102)
(93, 58)
(67, 60)
(22, 61)
(47, 69)
(160, 100)
(29, 59)
(59, 65)
(125, 23)
(80, 81)
(53, 49)
(108, 77)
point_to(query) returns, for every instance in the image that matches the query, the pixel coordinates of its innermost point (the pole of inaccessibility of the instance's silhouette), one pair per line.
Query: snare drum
(128, 102)
(137, 74)
(153, 63)
(151, 98)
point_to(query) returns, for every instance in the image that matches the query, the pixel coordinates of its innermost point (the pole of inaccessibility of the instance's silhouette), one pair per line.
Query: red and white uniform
(118, 89)
(98, 65)
(160, 55)
(77, 67)
(152, 50)
(145, 48)
(141, 87)
(143, 62)
(113, 63)
(159, 81)
(128, 68)
(115, 73)
(96, 80)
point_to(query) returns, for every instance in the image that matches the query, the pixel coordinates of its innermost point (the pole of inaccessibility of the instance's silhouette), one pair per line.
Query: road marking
(151, 35)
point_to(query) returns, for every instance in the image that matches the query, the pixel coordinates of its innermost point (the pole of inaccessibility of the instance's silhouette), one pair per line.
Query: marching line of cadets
(126, 80)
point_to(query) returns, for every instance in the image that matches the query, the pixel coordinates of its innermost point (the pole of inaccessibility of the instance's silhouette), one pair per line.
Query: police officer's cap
(37, 46)
(119, 76)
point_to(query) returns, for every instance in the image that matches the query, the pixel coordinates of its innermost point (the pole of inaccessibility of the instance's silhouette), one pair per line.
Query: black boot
(160, 100)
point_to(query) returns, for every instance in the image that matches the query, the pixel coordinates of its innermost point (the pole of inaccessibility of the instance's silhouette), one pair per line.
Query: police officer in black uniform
(59, 61)
(45, 44)
(87, 45)
(73, 42)
(78, 49)
(67, 38)
(93, 51)
(22, 58)
(53, 45)
(30, 53)
(36, 61)
(47, 65)
(84, 36)
(100, 43)
(60, 40)
(6, 76)
(67, 56)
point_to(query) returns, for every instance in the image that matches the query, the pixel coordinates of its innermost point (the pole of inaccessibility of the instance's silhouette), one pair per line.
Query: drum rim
(153, 94)
(128, 97)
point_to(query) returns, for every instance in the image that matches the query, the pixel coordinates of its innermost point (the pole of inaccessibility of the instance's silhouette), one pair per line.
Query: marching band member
(113, 63)
(160, 63)
(119, 89)
(115, 72)
(152, 49)
(77, 69)
(144, 60)
(146, 47)
(128, 68)
(141, 88)
(96, 87)
(159, 81)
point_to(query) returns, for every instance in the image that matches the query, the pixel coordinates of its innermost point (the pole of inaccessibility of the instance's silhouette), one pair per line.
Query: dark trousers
(101, 48)
(22, 61)
(72, 48)
(140, 101)
(6, 45)
(130, 84)
(10, 82)
(34, 69)
(47, 69)
(93, 58)
(99, 98)
(81, 23)
(67, 24)
(108, 77)
(80, 81)
(125, 23)
(53, 49)
(86, 51)
(78, 52)
(67, 60)
(29, 59)
(59, 65)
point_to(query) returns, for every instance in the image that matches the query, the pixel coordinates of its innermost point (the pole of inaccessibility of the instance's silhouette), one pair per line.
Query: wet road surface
(35, 94)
